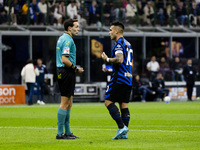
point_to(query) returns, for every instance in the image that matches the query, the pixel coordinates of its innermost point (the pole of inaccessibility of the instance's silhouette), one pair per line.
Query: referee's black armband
(74, 68)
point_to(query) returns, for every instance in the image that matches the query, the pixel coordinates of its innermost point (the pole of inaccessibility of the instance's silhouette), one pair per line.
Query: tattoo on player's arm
(118, 59)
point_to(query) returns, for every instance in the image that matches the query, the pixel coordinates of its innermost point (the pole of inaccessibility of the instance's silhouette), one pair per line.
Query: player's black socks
(114, 112)
(125, 116)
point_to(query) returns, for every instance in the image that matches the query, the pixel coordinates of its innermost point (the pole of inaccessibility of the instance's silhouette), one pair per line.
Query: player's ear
(69, 28)
(118, 30)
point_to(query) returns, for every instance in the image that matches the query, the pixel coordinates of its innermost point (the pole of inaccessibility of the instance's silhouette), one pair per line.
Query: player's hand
(107, 70)
(104, 56)
(80, 70)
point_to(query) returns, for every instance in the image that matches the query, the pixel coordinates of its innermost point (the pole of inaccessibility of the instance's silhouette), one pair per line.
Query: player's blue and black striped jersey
(122, 73)
(65, 47)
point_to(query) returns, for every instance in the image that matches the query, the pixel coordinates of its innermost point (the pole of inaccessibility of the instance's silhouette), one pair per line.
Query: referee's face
(112, 33)
(75, 28)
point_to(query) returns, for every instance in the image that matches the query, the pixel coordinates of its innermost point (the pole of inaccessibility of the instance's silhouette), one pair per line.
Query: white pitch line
(26, 106)
(92, 129)
(146, 126)
(49, 105)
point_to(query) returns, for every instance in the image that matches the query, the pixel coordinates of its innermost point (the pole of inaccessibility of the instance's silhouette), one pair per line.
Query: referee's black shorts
(118, 92)
(66, 81)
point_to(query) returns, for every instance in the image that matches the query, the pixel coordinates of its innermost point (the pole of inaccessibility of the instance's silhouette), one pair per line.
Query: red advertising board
(12, 94)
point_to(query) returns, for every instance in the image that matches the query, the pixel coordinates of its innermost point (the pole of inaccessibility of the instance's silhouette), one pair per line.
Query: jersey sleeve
(45, 69)
(118, 49)
(148, 65)
(158, 65)
(66, 48)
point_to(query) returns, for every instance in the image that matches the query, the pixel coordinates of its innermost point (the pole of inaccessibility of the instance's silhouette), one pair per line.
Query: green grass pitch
(153, 125)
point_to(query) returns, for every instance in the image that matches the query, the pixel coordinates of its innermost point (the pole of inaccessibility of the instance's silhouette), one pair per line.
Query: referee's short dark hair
(69, 23)
(119, 24)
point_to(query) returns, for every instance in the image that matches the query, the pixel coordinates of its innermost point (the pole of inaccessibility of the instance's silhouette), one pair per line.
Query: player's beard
(112, 37)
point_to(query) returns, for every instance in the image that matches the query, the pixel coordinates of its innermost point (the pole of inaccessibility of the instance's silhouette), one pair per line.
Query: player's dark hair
(69, 23)
(29, 61)
(119, 24)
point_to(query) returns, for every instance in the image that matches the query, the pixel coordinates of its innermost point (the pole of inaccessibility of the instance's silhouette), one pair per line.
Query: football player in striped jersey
(120, 85)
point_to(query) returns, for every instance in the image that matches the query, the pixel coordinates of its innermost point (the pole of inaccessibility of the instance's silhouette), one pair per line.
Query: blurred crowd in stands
(171, 69)
(101, 12)
(158, 72)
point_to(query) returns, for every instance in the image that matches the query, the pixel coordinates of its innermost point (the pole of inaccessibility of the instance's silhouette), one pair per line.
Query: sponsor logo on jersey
(67, 43)
(66, 50)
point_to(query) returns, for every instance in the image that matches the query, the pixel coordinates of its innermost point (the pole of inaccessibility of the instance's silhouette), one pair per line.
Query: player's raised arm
(117, 60)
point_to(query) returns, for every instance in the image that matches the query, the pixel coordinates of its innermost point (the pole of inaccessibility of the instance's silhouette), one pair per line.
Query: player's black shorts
(118, 92)
(66, 81)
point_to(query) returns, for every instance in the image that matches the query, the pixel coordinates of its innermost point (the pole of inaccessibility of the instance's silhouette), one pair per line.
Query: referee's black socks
(125, 116)
(114, 112)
